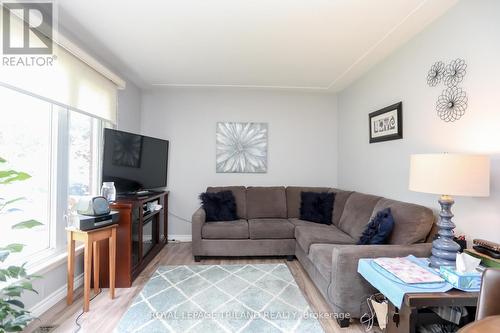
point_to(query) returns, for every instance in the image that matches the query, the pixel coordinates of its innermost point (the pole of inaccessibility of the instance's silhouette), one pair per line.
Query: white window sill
(52, 260)
(46, 261)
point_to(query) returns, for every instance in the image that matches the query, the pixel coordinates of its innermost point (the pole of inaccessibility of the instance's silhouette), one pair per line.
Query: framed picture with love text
(387, 123)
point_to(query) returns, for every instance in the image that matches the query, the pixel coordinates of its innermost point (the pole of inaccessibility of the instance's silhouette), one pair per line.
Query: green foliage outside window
(14, 280)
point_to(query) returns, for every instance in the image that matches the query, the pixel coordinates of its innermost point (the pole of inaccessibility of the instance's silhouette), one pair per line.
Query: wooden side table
(91, 239)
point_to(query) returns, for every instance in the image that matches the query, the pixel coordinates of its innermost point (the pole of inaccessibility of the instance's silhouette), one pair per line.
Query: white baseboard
(180, 238)
(54, 298)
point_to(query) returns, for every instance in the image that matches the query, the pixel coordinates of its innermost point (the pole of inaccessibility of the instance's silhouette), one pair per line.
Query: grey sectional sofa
(269, 225)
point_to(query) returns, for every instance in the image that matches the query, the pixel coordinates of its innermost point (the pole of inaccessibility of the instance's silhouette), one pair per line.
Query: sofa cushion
(220, 206)
(357, 212)
(307, 235)
(225, 230)
(341, 197)
(379, 229)
(317, 207)
(270, 228)
(412, 222)
(240, 196)
(293, 199)
(266, 202)
(303, 223)
(321, 257)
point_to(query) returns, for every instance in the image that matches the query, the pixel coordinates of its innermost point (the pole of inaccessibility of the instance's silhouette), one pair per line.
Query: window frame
(59, 176)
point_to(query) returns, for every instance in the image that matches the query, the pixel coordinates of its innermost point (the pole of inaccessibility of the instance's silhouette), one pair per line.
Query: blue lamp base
(444, 249)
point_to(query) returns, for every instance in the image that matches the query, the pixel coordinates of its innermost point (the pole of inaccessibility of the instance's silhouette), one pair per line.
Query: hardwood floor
(105, 313)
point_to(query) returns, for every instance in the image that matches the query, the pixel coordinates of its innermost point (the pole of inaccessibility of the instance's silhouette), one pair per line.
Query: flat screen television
(134, 162)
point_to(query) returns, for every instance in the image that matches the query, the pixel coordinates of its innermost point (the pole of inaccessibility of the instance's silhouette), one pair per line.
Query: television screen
(134, 162)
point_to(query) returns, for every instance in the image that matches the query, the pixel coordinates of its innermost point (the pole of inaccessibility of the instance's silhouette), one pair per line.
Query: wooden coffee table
(412, 312)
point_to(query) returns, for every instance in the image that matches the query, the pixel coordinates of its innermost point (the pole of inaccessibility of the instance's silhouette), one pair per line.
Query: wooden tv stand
(140, 237)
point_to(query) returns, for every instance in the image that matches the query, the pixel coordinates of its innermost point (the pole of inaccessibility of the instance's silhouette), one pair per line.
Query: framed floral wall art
(241, 147)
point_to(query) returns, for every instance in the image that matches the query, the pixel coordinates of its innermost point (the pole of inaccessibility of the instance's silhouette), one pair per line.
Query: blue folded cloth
(393, 288)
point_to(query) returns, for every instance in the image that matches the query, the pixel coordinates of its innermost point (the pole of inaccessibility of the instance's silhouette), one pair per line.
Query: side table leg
(112, 263)
(87, 267)
(96, 267)
(71, 268)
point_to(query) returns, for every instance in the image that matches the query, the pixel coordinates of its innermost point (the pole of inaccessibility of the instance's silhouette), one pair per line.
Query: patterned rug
(220, 298)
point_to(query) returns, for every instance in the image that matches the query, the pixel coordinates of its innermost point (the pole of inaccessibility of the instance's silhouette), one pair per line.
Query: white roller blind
(68, 81)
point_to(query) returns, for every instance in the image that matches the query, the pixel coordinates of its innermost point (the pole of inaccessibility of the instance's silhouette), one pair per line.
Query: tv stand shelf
(140, 237)
(150, 215)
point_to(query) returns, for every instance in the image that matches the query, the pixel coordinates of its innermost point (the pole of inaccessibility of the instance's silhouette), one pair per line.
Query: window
(51, 120)
(83, 168)
(26, 142)
(60, 150)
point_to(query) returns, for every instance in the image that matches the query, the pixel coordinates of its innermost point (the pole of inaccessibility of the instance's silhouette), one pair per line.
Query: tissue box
(462, 281)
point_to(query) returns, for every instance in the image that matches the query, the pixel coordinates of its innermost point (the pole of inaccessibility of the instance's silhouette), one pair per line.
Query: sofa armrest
(347, 254)
(348, 290)
(197, 220)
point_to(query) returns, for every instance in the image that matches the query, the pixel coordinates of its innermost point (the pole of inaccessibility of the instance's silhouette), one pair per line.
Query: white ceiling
(288, 44)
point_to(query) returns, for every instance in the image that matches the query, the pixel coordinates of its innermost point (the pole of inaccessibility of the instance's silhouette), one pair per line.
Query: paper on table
(392, 289)
(407, 271)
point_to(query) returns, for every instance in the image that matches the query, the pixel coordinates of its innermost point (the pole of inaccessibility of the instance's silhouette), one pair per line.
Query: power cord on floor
(368, 319)
(173, 240)
(179, 217)
(79, 326)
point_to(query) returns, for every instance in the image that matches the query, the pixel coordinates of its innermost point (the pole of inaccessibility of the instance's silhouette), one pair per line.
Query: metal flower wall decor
(435, 74)
(455, 73)
(241, 147)
(452, 102)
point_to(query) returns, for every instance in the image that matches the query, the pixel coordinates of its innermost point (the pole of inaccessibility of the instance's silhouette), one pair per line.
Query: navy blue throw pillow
(379, 229)
(317, 207)
(219, 206)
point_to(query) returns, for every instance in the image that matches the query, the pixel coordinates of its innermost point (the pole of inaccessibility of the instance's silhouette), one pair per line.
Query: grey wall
(302, 144)
(470, 30)
(129, 108)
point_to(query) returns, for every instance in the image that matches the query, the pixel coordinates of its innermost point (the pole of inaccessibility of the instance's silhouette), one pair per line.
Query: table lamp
(448, 175)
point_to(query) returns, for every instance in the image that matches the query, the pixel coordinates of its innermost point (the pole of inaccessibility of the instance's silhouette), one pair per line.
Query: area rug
(260, 298)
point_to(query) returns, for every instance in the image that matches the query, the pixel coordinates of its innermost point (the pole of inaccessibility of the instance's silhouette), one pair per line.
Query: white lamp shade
(450, 174)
